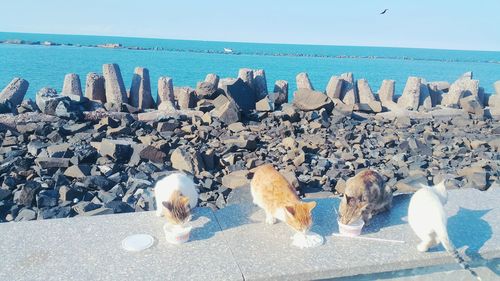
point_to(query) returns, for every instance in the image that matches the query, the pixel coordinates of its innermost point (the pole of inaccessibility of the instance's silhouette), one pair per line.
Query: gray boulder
(349, 95)
(185, 97)
(334, 87)
(411, 94)
(264, 105)
(246, 75)
(14, 92)
(308, 100)
(260, 83)
(115, 88)
(72, 85)
(386, 91)
(463, 87)
(226, 110)
(240, 92)
(94, 87)
(166, 97)
(303, 82)
(280, 92)
(206, 89)
(140, 90)
(47, 100)
(212, 78)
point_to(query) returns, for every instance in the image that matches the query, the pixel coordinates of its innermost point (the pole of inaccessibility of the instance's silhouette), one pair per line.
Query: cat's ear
(310, 205)
(351, 201)
(168, 205)
(290, 210)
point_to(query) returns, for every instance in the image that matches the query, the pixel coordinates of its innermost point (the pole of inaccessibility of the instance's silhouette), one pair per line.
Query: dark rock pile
(68, 155)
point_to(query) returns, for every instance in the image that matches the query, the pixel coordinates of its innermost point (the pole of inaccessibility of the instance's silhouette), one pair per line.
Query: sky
(439, 24)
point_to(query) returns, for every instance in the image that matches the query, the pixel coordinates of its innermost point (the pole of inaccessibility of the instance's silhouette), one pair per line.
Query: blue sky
(443, 24)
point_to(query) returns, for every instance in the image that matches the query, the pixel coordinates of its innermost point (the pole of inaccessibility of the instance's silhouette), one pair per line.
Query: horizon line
(251, 42)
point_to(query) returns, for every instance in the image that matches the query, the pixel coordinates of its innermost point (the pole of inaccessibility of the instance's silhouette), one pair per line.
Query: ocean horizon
(188, 61)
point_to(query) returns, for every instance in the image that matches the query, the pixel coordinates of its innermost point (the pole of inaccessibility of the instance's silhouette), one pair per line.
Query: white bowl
(176, 234)
(351, 230)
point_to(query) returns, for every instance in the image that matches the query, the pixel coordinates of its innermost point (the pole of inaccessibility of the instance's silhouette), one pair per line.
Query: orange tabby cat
(273, 193)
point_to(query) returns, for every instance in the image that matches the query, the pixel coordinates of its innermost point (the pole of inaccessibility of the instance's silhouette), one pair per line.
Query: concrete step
(234, 244)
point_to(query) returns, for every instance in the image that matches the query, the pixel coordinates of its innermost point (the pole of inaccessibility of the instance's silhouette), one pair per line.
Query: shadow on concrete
(396, 216)
(203, 228)
(467, 228)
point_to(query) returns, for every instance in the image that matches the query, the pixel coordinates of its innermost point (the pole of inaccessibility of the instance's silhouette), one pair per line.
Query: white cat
(428, 219)
(175, 196)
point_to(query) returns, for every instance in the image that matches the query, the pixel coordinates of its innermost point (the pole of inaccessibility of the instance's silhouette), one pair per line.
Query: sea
(188, 62)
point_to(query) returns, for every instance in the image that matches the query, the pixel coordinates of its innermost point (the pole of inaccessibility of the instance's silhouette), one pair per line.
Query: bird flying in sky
(384, 11)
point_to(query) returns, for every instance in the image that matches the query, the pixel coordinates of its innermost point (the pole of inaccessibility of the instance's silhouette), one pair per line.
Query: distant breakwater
(236, 52)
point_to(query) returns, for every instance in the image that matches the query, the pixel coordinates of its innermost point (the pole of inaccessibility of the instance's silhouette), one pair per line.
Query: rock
(98, 183)
(72, 85)
(226, 110)
(236, 127)
(470, 104)
(340, 186)
(206, 90)
(94, 87)
(477, 180)
(119, 207)
(260, 83)
(241, 93)
(334, 87)
(25, 215)
(411, 94)
(213, 79)
(14, 92)
(4, 193)
(461, 88)
(308, 100)
(264, 105)
(183, 161)
(114, 86)
(246, 75)
(58, 150)
(242, 142)
(26, 194)
(303, 82)
(364, 91)
(120, 150)
(386, 91)
(140, 90)
(166, 96)
(47, 100)
(69, 194)
(442, 86)
(236, 179)
(496, 86)
(185, 97)
(98, 212)
(411, 183)
(280, 92)
(49, 162)
(77, 171)
(47, 198)
(348, 94)
(371, 106)
(153, 154)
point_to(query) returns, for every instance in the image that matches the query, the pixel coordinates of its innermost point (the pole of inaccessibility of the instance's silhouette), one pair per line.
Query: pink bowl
(351, 230)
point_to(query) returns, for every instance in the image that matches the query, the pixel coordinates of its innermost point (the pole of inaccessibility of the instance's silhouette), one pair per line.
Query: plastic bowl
(351, 230)
(176, 234)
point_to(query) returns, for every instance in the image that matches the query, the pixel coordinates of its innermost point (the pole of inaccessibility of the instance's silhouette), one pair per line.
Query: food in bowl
(177, 234)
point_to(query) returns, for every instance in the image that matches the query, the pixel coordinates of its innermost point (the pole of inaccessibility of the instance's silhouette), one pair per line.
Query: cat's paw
(422, 247)
(270, 220)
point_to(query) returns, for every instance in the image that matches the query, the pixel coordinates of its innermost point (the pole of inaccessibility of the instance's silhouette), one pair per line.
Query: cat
(365, 196)
(427, 218)
(175, 196)
(273, 193)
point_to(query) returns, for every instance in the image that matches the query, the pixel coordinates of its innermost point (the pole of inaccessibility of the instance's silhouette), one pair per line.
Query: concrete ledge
(235, 244)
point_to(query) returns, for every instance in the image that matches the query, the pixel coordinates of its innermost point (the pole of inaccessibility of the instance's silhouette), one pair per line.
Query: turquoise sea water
(189, 61)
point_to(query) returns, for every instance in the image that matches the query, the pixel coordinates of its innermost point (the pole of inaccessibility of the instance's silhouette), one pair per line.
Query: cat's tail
(448, 245)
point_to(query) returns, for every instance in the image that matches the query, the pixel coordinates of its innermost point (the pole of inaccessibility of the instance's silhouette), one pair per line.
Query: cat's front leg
(270, 218)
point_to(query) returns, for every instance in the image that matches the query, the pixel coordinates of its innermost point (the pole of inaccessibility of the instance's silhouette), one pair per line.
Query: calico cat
(365, 196)
(427, 218)
(273, 193)
(175, 196)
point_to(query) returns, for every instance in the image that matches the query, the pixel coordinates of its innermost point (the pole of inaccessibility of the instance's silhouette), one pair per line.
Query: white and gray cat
(427, 218)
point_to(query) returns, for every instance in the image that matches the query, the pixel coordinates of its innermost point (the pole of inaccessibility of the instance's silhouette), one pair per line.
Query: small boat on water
(228, 51)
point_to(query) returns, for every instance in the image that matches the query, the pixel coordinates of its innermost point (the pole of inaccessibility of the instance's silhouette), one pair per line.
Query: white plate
(137, 242)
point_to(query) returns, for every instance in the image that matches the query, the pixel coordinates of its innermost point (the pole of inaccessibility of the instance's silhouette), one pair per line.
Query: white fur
(427, 217)
(166, 187)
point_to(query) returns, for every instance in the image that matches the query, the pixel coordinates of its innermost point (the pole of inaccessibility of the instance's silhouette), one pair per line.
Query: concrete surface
(235, 244)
